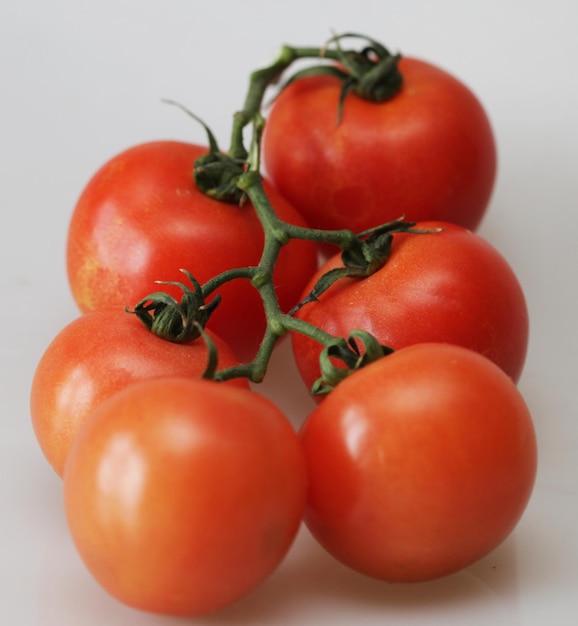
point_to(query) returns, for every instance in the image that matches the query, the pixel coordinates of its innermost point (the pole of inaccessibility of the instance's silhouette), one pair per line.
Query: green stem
(234, 175)
(224, 277)
(259, 81)
(277, 325)
(342, 238)
(277, 234)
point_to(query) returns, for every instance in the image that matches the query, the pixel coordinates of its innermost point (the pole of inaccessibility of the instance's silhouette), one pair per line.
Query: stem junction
(371, 73)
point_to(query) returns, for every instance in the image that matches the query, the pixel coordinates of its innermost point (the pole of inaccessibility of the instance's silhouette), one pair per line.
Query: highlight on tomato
(141, 219)
(419, 464)
(93, 357)
(183, 495)
(427, 152)
(447, 286)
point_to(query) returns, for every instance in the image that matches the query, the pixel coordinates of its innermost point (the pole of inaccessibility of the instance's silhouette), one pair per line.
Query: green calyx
(371, 73)
(367, 254)
(175, 321)
(352, 356)
(215, 173)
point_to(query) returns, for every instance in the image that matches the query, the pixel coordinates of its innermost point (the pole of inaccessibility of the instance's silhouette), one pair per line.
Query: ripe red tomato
(427, 153)
(182, 495)
(449, 286)
(92, 358)
(419, 464)
(141, 218)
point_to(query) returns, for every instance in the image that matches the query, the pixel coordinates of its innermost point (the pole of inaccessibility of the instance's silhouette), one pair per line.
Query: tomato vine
(430, 444)
(372, 74)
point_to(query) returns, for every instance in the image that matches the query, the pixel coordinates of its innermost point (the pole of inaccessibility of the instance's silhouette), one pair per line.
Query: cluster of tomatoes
(182, 494)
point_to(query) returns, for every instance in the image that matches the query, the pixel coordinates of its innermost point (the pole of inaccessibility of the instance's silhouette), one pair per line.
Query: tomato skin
(141, 218)
(183, 495)
(449, 286)
(419, 464)
(92, 358)
(428, 153)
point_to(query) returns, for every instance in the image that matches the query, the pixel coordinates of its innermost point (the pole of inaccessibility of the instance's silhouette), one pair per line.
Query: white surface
(81, 81)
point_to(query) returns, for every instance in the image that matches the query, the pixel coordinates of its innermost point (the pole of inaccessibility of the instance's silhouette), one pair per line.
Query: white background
(81, 81)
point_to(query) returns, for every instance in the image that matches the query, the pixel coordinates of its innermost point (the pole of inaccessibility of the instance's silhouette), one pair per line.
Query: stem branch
(370, 72)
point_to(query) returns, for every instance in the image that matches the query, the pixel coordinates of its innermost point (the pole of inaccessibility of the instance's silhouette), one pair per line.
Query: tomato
(419, 464)
(92, 358)
(141, 218)
(427, 153)
(449, 286)
(182, 495)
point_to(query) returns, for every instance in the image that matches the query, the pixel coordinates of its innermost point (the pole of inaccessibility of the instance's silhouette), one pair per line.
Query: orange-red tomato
(182, 495)
(428, 153)
(419, 464)
(449, 286)
(92, 358)
(141, 219)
